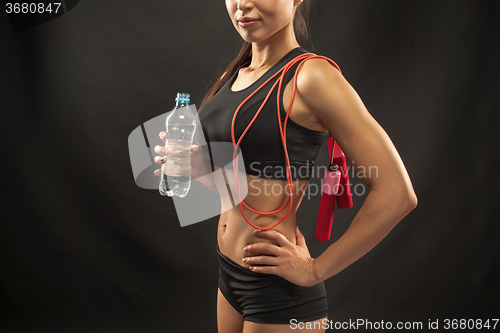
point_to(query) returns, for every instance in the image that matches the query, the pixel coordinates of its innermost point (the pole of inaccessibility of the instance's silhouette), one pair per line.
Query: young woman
(268, 280)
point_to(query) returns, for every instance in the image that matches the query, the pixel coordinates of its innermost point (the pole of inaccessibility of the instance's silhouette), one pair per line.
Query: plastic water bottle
(181, 126)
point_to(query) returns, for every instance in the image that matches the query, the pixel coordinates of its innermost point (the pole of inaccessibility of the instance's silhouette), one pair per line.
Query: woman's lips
(247, 23)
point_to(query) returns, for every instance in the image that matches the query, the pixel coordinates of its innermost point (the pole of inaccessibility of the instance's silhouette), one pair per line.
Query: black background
(82, 248)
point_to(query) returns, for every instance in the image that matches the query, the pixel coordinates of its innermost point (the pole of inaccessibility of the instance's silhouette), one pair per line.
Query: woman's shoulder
(319, 66)
(324, 91)
(317, 73)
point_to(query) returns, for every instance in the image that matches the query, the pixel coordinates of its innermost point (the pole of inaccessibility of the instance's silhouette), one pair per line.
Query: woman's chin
(252, 39)
(249, 39)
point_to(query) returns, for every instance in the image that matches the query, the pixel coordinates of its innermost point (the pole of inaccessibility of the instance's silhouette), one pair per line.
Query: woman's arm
(208, 179)
(205, 170)
(332, 100)
(323, 91)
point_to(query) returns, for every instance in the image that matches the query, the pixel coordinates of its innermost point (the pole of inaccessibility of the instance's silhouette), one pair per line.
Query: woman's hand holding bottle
(199, 165)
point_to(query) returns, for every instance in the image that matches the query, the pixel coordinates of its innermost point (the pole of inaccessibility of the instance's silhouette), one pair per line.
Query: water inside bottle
(176, 172)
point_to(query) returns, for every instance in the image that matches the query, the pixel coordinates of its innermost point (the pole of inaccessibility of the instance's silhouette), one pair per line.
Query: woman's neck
(265, 54)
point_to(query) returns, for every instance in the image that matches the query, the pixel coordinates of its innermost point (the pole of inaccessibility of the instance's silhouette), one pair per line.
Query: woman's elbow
(406, 194)
(403, 197)
(413, 201)
(408, 200)
(398, 193)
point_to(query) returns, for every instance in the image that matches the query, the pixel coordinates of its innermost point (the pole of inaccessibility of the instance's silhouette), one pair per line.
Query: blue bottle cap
(182, 98)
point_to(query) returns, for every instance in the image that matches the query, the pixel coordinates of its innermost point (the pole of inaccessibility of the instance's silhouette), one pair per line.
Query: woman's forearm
(376, 218)
(208, 179)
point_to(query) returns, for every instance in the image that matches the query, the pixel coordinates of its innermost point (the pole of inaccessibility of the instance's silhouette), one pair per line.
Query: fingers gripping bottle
(175, 178)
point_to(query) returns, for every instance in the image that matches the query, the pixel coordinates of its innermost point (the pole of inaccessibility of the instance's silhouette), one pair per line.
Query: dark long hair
(300, 27)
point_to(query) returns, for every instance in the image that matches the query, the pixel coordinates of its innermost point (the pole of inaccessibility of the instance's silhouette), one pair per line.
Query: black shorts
(268, 298)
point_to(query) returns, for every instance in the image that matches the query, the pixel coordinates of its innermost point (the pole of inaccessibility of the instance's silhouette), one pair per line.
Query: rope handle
(333, 152)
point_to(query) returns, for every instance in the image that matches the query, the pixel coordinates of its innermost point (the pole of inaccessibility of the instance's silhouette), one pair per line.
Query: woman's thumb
(301, 240)
(194, 149)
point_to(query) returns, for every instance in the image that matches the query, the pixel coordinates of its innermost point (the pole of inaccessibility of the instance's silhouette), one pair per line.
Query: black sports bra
(261, 148)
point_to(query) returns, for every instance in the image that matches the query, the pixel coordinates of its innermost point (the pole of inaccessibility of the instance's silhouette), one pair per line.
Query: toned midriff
(264, 195)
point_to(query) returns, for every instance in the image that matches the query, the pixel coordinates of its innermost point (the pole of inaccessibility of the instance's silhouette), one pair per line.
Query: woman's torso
(234, 233)
(264, 195)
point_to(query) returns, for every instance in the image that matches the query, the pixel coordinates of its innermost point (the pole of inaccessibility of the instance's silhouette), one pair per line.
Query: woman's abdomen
(235, 233)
